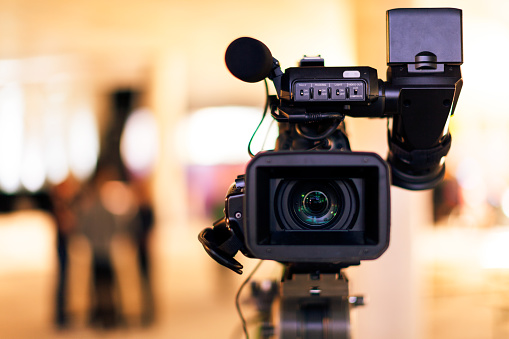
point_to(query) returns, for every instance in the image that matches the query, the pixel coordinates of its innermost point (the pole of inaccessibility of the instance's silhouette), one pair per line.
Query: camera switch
(321, 91)
(303, 92)
(338, 91)
(356, 91)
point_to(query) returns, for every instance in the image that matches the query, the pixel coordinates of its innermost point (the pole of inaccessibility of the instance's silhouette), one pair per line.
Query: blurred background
(121, 130)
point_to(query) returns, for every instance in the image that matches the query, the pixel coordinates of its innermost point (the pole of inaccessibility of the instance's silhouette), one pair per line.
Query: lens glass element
(314, 204)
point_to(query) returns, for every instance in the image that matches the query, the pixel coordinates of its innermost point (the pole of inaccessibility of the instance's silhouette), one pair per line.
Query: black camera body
(313, 201)
(312, 207)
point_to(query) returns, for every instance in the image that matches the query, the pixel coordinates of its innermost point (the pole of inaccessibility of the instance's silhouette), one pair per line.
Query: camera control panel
(329, 91)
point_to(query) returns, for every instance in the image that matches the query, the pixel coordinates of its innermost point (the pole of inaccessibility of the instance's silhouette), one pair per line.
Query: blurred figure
(63, 199)
(135, 136)
(142, 227)
(98, 224)
(112, 209)
(116, 209)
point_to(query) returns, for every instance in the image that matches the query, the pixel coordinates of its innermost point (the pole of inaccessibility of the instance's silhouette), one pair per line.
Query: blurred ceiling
(122, 41)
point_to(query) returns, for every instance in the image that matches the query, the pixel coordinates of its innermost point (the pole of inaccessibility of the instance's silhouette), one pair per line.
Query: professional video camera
(312, 203)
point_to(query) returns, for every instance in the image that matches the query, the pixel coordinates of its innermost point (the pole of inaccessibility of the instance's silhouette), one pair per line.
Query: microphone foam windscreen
(248, 59)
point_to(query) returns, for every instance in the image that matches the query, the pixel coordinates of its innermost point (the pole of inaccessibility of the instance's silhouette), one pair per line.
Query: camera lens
(316, 204)
(314, 208)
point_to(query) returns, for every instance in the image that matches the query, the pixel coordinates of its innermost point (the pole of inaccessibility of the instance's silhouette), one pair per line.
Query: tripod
(314, 304)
